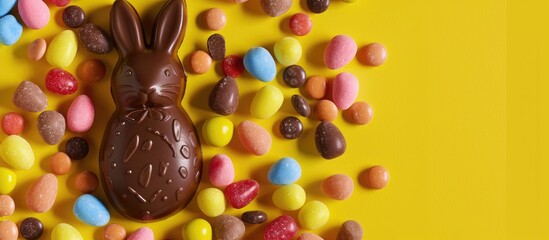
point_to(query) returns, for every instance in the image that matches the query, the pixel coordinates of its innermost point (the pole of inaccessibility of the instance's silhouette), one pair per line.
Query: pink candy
(344, 90)
(81, 114)
(340, 51)
(283, 227)
(60, 3)
(34, 13)
(221, 171)
(241, 193)
(254, 138)
(143, 233)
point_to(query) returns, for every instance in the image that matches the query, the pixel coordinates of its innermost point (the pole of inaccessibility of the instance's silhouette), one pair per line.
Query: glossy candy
(300, 24)
(114, 231)
(227, 227)
(8, 180)
(326, 110)
(81, 114)
(42, 193)
(200, 62)
(95, 39)
(275, 8)
(338, 186)
(29, 97)
(359, 113)
(254, 217)
(259, 62)
(375, 177)
(221, 171)
(313, 215)
(285, 171)
(91, 211)
(34, 13)
(61, 82)
(215, 19)
(254, 137)
(266, 102)
(143, 233)
(60, 3)
(86, 182)
(8, 230)
(315, 87)
(287, 51)
(291, 127)
(300, 105)
(74, 16)
(339, 52)
(77, 148)
(216, 47)
(373, 54)
(224, 96)
(211, 202)
(13, 123)
(283, 227)
(241, 193)
(17, 152)
(51, 126)
(197, 229)
(7, 205)
(330, 143)
(218, 131)
(294, 76)
(92, 70)
(289, 197)
(10, 30)
(60, 163)
(350, 230)
(233, 66)
(62, 49)
(318, 6)
(37, 49)
(31, 228)
(344, 90)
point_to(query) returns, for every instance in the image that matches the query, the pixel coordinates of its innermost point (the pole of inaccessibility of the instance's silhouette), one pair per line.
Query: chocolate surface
(150, 159)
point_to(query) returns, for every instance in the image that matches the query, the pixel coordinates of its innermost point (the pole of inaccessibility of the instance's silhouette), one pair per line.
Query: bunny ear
(126, 28)
(169, 27)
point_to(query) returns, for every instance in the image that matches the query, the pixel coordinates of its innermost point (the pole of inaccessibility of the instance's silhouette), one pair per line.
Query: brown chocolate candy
(350, 230)
(294, 76)
(95, 39)
(300, 105)
(51, 126)
(31, 228)
(254, 217)
(291, 127)
(330, 143)
(227, 227)
(216, 47)
(77, 148)
(318, 6)
(224, 96)
(29, 97)
(74, 16)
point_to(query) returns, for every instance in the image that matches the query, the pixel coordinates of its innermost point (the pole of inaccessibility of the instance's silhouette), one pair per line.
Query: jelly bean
(318, 6)
(218, 131)
(200, 62)
(95, 39)
(375, 177)
(221, 170)
(211, 202)
(254, 138)
(300, 105)
(259, 62)
(326, 110)
(197, 229)
(254, 217)
(74, 16)
(359, 113)
(7, 206)
(300, 24)
(315, 87)
(81, 114)
(339, 52)
(51, 126)
(92, 70)
(34, 13)
(344, 90)
(42, 193)
(29, 97)
(62, 49)
(291, 127)
(61, 82)
(227, 227)
(64, 231)
(284, 171)
(289, 197)
(275, 8)
(233, 66)
(6, 6)
(8, 180)
(143, 233)
(373, 54)
(37, 49)
(77, 148)
(294, 76)
(338, 186)
(350, 230)
(224, 96)
(31, 228)
(329, 141)
(287, 51)
(13, 123)
(241, 193)
(215, 19)
(8, 230)
(91, 211)
(114, 231)
(60, 163)
(283, 227)
(266, 102)
(60, 3)
(10, 30)
(313, 215)
(216, 47)
(86, 182)
(309, 236)
(17, 152)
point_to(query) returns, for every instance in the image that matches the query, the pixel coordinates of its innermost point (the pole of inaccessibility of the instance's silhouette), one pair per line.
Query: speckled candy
(51, 126)
(13, 123)
(218, 131)
(81, 114)
(61, 82)
(221, 171)
(95, 39)
(287, 51)
(340, 51)
(211, 202)
(254, 138)
(17, 152)
(300, 24)
(62, 49)
(283, 227)
(60, 3)
(285, 171)
(289, 197)
(34, 13)
(8, 180)
(266, 102)
(329, 141)
(197, 229)
(7, 206)
(227, 227)
(275, 8)
(313, 215)
(338, 186)
(42, 193)
(259, 62)
(8, 230)
(344, 90)
(241, 193)
(350, 230)
(29, 97)
(10, 30)
(63, 231)
(91, 211)
(143, 233)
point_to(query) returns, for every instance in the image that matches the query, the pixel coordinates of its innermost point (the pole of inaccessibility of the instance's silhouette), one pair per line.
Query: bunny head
(148, 75)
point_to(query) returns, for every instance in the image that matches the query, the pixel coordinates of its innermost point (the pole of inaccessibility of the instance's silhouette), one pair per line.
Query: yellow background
(460, 116)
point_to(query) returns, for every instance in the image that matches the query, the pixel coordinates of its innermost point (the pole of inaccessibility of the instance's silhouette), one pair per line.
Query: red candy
(61, 82)
(13, 123)
(300, 24)
(233, 66)
(283, 227)
(241, 193)
(60, 3)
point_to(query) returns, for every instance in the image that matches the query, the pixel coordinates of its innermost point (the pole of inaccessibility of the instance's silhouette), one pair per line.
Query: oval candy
(254, 137)
(51, 126)
(29, 97)
(37, 49)
(81, 114)
(10, 30)
(313, 215)
(42, 193)
(8, 230)
(91, 211)
(7, 205)
(330, 143)
(8, 180)
(197, 229)
(266, 102)
(216, 47)
(143, 233)
(227, 227)
(211, 202)
(259, 62)
(254, 217)
(285, 171)
(34, 13)
(94, 39)
(17, 152)
(275, 8)
(287, 51)
(114, 231)
(340, 51)
(289, 197)
(350, 230)
(344, 90)
(218, 131)
(64, 231)
(224, 96)
(221, 171)
(300, 105)
(62, 49)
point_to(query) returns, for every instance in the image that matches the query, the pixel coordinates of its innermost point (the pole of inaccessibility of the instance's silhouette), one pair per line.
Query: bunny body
(150, 157)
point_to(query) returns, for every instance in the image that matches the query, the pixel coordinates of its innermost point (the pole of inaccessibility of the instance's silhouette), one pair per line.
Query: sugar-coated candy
(221, 172)
(318, 6)
(300, 24)
(6, 6)
(42, 193)
(8, 180)
(62, 49)
(224, 96)
(359, 113)
(51, 126)
(81, 114)
(61, 82)
(74, 16)
(254, 217)
(275, 8)
(60, 163)
(10, 30)
(259, 62)
(200, 62)
(287, 51)
(227, 227)
(60, 3)
(29, 97)
(218, 131)
(13, 123)
(338, 186)
(215, 19)
(143, 233)
(294, 76)
(95, 39)
(289, 197)
(114, 231)
(285, 171)
(197, 229)
(37, 49)
(233, 66)
(309, 236)
(329, 141)
(373, 54)
(283, 227)
(344, 90)
(211, 202)
(77, 148)
(31, 228)
(375, 177)
(34, 13)
(92, 70)
(91, 211)
(291, 127)
(7, 205)
(266, 102)
(340, 51)
(17, 152)
(241, 193)
(315, 86)
(8, 230)
(254, 137)
(216, 47)
(326, 110)
(86, 182)
(313, 215)
(300, 105)
(350, 230)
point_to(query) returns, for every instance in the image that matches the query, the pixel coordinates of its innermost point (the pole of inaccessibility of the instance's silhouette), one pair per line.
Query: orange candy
(200, 62)
(316, 87)
(338, 186)
(359, 113)
(326, 110)
(375, 177)
(92, 70)
(86, 182)
(215, 19)
(114, 232)
(60, 163)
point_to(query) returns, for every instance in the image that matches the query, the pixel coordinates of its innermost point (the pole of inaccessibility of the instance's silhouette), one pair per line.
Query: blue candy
(285, 171)
(6, 6)
(10, 30)
(91, 211)
(259, 62)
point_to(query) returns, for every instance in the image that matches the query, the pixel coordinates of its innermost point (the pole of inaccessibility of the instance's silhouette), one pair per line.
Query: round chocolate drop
(31, 228)
(301, 106)
(74, 16)
(318, 6)
(77, 148)
(294, 76)
(254, 217)
(291, 127)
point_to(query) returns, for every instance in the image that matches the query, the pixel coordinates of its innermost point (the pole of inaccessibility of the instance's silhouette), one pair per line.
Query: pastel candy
(63, 231)
(81, 114)
(17, 152)
(10, 30)
(289, 197)
(313, 215)
(344, 90)
(254, 138)
(259, 62)
(143, 233)
(91, 211)
(62, 49)
(221, 170)
(285, 171)
(34, 13)
(287, 51)
(42, 193)
(6, 6)
(339, 52)
(266, 102)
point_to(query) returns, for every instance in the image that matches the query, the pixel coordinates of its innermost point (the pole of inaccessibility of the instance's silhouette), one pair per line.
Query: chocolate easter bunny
(150, 158)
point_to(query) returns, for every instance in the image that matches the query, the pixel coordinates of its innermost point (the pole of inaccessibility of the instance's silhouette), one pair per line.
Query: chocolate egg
(224, 96)
(330, 143)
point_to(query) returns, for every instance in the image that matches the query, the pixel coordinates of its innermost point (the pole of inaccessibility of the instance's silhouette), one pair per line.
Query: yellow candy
(17, 152)
(287, 51)
(211, 202)
(313, 215)
(266, 102)
(197, 229)
(8, 180)
(63, 231)
(62, 49)
(289, 197)
(218, 131)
